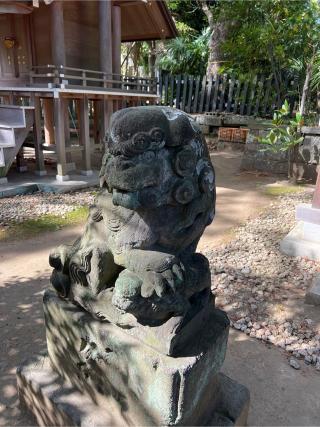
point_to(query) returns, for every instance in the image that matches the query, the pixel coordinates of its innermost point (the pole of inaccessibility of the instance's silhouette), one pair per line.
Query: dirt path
(239, 196)
(280, 395)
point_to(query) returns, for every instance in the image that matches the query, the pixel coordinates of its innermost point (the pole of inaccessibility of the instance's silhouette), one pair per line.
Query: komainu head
(156, 156)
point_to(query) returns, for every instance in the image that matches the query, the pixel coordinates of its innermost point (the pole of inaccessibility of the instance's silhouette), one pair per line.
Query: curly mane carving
(157, 197)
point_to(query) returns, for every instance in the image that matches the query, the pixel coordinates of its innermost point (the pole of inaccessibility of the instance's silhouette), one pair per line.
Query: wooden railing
(69, 77)
(226, 94)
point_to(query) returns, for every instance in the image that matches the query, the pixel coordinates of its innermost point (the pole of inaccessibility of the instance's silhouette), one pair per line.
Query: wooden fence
(225, 94)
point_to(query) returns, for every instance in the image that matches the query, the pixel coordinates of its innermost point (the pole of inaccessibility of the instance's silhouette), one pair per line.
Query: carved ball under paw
(127, 296)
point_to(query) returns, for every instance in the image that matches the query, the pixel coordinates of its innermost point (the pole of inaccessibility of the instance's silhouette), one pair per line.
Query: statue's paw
(58, 257)
(165, 282)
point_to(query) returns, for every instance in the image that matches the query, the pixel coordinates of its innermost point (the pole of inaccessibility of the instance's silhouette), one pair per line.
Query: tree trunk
(306, 87)
(152, 59)
(318, 106)
(217, 37)
(276, 73)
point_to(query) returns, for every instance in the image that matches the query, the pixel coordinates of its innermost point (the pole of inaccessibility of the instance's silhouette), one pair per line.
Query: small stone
(294, 363)
(246, 270)
(308, 359)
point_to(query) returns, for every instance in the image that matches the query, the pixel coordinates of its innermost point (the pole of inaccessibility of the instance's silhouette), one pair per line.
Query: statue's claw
(165, 282)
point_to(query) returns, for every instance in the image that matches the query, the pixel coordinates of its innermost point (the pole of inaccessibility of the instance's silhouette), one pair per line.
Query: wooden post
(96, 121)
(59, 119)
(84, 135)
(57, 33)
(40, 166)
(21, 162)
(105, 36)
(116, 40)
(48, 120)
(107, 110)
(67, 123)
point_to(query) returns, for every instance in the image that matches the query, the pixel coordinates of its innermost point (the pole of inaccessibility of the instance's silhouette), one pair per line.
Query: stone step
(7, 137)
(12, 137)
(2, 163)
(13, 115)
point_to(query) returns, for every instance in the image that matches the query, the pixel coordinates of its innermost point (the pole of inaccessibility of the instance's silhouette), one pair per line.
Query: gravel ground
(31, 206)
(260, 288)
(252, 281)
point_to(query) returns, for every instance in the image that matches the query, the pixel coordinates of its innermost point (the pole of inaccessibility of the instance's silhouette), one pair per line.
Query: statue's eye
(157, 135)
(140, 142)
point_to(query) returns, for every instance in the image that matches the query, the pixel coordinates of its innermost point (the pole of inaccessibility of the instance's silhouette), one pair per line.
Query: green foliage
(263, 36)
(267, 35)
(186, 54)
(47, 222)
(280, 190)
(189, 13)
(283, 134)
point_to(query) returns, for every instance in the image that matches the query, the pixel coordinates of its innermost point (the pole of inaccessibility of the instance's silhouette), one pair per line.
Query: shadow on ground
(280, 395)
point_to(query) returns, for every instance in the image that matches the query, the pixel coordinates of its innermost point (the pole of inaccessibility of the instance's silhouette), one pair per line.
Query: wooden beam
(107, 110)
(105, 36)
(57, 33)
(48, 120)
(40, 166)
(116, 39)
(59, 119)
(84, 136)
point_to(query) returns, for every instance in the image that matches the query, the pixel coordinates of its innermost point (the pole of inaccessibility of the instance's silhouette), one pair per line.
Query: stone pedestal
(98, 374)
(304, 239)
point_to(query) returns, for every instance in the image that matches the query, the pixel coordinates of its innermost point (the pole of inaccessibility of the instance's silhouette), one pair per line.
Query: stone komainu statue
(137, 254)
(135, 339)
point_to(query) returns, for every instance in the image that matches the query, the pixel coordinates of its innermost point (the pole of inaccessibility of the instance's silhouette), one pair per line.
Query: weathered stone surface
(230, 146)
(205, 129)
(313, 293)
(209, 120)
(295, 244)
(309, 149)
(256, 159)
(310, 130)
(134, 325)
(103, 359)
(54, 401)
(157, 198)
(235, 120)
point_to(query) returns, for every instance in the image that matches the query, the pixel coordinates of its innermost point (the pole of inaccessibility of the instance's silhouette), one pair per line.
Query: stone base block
(305, 212)
(313, 294)
(54, 401)
(103, 360)
(311, 232)
(106, 363)
(62, 178)
(296, 243)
